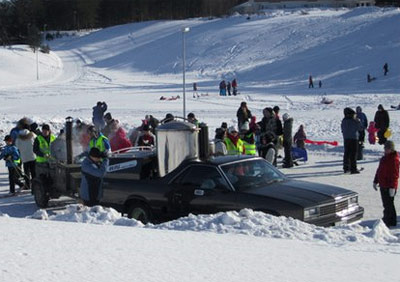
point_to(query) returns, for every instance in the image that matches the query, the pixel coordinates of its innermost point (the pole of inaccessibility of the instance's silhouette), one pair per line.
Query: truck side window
(203, 177)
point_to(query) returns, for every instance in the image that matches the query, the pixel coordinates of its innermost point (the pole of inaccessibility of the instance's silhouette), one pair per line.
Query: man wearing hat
(99, 141)
(351, 127)
(93, 169)
(234, 145)
(41, 145)
(386, 178)
(11, 155)
(147, 139)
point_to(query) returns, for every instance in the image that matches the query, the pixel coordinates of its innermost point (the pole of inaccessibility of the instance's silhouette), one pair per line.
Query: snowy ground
(130, 67)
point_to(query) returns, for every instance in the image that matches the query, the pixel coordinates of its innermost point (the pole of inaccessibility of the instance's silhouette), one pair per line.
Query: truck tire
(40, 194)
(140, 211)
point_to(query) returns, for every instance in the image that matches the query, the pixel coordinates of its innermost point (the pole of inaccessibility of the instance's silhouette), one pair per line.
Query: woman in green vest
(234, 145)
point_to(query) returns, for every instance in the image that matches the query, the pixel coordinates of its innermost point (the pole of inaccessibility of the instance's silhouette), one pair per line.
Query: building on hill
(254, 6)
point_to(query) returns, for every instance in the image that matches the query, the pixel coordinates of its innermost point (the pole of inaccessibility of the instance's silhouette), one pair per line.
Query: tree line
(22, 20)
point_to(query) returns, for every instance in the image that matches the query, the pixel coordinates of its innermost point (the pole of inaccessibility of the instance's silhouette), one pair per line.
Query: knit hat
(389, 145)
(232, 129)
(285, 116)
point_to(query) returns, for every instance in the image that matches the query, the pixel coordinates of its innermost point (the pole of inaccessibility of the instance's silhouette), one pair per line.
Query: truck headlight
(311, 212)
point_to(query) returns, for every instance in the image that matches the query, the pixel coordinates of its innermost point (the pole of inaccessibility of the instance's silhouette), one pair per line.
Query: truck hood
(302, 193)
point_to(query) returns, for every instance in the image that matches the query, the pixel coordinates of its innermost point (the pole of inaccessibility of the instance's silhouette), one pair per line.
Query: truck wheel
(140, 211)
(40, 195)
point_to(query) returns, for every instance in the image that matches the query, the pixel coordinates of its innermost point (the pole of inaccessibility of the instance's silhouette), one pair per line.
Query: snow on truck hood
(245, 222)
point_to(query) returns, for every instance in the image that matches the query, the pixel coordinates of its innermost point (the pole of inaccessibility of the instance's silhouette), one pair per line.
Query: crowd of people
(225, 88)
(31, 148)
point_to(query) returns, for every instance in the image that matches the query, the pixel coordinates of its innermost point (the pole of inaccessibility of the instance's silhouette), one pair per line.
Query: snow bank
(245, 222)
(83, 214)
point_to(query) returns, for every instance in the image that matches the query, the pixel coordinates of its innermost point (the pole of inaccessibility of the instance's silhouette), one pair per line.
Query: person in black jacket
(243, 114)
(364, 122)
(279, 128)
(351, 127)
(382, 123)
(287, 140)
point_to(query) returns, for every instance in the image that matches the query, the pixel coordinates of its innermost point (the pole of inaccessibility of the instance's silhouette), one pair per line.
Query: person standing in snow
(243, 114)
(234, 86)
(12, 158)
(228, 87)
(24, 143)
(287, 140)
(320, 84)
(278, 130)
(195, 94)
(300, 137)
(93, 170)
(361, 139)
(222, 88)
(382, 122)
(98, 115)
(310, 82)
(351, 127)
(385, 69)
(386, 178)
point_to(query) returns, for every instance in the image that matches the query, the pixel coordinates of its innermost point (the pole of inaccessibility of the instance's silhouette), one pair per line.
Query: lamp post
(184, 30)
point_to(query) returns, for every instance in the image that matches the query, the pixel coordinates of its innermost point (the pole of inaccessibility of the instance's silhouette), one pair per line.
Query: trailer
(62, 178)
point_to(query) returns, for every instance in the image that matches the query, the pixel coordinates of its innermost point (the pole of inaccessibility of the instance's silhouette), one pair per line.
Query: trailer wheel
(39, 193)
(140, 211)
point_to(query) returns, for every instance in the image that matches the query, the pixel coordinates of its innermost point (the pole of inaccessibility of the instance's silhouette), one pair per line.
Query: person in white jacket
(24, 144)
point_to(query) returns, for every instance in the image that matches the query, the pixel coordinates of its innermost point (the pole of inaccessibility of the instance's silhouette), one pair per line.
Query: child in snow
(12, 158)
(372, 133)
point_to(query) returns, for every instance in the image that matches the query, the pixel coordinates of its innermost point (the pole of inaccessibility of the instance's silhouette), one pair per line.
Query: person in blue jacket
(11, 155)
(93, 169)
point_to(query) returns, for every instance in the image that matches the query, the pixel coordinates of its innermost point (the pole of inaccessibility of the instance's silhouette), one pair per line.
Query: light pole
(184, 30)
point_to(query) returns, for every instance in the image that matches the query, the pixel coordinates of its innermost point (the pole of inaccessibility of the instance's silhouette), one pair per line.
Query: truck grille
(333, 208)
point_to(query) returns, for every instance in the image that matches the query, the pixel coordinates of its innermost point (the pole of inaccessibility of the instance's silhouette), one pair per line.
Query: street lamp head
(186, 29)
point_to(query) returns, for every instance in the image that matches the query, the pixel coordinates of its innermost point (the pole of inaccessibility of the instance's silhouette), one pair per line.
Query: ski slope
(131, 66)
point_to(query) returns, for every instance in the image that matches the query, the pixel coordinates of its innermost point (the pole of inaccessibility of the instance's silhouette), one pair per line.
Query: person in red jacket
(386, 178)
(119, 141)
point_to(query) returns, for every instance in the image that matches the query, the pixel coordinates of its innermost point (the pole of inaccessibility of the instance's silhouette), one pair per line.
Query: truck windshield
(251, 174)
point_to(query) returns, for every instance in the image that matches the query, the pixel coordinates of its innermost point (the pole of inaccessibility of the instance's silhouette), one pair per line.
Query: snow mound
(4, 215)
(245, 222)
(93, 215)
(249, 222)
(380, 233)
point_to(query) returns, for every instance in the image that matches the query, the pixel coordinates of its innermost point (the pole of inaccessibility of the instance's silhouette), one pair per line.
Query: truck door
(201, 189)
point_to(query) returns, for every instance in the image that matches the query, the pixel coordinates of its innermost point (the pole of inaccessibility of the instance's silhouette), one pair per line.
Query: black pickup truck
(223, 184)
(179, 177)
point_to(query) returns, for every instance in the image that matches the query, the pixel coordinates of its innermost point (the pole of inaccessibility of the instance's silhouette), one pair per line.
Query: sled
(299, 154)
(326, 101)
(332, 143)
